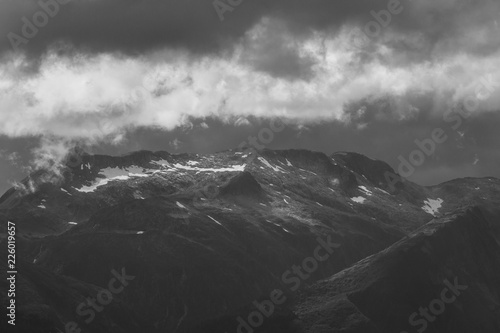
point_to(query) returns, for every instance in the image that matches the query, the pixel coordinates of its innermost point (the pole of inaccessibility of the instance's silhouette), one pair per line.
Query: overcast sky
(369, 76)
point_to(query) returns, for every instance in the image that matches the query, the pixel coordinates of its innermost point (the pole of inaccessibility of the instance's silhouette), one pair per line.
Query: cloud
(175, 144)
(14, 158)
(103, 96)
(46, 164)
(270, 48)
(50, 155)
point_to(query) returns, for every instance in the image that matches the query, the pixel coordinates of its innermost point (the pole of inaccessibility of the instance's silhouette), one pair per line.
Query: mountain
(204, 238)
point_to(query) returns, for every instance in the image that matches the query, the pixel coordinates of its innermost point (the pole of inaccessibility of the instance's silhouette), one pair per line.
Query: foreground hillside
(445, 277)
(205, 238)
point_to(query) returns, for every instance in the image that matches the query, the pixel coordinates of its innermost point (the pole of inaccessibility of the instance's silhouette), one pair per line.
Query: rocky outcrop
(243, 184)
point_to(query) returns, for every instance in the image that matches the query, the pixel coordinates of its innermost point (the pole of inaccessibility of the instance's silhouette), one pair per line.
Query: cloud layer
(306, 80)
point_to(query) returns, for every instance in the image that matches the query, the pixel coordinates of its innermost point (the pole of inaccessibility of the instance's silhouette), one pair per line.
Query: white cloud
(101, 97)
(50, 155)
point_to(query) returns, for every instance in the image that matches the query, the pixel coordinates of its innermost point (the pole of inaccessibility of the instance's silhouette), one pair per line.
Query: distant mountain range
(240, 241)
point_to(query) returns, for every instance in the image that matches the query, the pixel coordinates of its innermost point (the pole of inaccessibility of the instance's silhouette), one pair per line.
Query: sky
(384, 78)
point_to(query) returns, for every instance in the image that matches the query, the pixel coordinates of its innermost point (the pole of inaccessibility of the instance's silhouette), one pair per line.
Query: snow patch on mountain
(359, 199)
(308, 171)
(432, 206)
(132, 171)
(215, 220)
(381, 190)
(100, 182)
(111, 174)
(66, 191)
(365, 190)
(232, 168)
(266, 163)
(161, 163)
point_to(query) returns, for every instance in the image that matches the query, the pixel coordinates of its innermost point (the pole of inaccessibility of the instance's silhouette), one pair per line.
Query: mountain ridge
(207, 235)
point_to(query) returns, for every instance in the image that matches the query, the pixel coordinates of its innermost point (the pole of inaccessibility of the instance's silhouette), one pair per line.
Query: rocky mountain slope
(444, 277)
(207, 236)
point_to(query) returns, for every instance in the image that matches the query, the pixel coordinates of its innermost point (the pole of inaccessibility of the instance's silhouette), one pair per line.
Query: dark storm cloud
(133, 26)
(277, 54)
(128, 26)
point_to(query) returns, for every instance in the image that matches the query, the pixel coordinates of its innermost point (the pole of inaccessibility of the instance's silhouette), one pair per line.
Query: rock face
(243, 184)
(207, 237)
